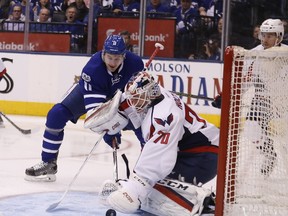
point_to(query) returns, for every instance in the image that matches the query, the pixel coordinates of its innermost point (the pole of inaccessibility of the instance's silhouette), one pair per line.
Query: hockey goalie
(179, 154)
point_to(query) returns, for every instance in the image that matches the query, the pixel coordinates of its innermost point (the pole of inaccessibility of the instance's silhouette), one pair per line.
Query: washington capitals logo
(162, 122)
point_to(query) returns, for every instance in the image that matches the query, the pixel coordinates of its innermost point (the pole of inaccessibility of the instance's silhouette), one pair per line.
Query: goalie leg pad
(164, 201)
(172, 197)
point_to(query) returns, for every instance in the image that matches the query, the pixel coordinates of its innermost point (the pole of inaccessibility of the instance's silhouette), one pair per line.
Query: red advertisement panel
(41, 42)
(157, 31)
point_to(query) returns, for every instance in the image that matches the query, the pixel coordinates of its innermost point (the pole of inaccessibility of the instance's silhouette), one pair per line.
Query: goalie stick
(54, 205)
(159, 47)
(23, 131)
(192, 96)
(115, 161)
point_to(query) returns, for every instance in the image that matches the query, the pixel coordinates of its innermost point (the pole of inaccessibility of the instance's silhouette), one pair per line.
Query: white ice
(18, 152)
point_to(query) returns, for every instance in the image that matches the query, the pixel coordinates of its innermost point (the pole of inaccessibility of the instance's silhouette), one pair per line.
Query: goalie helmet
(141, 90)
(272, 26)
(115, 45)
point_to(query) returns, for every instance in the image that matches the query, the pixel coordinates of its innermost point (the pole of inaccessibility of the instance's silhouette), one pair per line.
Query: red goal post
(252, 173)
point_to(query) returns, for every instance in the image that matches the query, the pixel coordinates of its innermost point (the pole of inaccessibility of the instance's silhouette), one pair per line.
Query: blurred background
(189, 29)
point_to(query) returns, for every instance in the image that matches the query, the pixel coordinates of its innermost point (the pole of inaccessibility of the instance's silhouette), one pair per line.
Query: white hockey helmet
(272, 26)
(141, 90)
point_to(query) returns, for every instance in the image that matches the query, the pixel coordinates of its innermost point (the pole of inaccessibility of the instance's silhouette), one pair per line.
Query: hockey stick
(115, 161)
(192, 96)
(23, 131)
(158, 47)
(54, 205)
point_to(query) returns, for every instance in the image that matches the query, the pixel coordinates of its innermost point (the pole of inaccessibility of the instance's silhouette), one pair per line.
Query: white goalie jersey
(168, 127)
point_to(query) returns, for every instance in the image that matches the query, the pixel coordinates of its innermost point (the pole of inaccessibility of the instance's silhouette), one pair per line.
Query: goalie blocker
(107, 117)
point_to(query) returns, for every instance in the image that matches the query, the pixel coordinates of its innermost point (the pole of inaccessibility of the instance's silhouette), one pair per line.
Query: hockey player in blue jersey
(106, 72)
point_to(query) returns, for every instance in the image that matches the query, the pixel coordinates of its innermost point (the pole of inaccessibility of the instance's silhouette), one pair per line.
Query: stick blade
(26, 131)
(52, 207)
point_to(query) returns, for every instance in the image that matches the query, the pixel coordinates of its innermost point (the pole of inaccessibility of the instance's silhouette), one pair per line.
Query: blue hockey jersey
(99, 85)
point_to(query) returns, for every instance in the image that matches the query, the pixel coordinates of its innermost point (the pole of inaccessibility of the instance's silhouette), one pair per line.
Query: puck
(110, 212)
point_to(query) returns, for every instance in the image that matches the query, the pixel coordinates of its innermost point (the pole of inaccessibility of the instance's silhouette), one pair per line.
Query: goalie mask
(141, 90)
(272, 26)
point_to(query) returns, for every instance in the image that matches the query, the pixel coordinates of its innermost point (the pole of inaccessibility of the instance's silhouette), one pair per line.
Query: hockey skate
(270, 157)
(43, 171)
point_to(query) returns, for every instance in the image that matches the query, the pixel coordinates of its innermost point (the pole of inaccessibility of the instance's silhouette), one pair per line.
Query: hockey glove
(109, 139)
(217, 101)
(128, 198)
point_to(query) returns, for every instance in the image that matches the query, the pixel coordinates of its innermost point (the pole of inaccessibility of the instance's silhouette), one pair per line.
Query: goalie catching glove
(107, 117)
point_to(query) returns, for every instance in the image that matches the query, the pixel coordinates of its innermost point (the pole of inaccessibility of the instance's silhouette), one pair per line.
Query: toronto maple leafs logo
(116, 78)
(162, 122)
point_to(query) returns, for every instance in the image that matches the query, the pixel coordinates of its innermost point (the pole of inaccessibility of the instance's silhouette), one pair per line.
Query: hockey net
(252, 174)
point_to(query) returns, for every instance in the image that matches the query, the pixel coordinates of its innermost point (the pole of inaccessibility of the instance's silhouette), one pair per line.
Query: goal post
(252, 173)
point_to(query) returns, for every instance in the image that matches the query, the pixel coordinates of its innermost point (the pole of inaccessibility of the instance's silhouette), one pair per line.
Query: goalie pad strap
(176, 197)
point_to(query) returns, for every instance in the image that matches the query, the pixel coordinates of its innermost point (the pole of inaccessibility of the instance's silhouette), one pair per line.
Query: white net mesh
(257, 162)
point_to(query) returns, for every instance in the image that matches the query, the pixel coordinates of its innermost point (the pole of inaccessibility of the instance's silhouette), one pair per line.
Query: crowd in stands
(197, 32)
(46, 16)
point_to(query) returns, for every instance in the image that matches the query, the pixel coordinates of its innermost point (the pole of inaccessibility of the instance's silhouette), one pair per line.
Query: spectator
(120, 6)
(212, 49)
(210, 11)
(42, 4)
(97, 8)
(43, 23)
(126, 35)
(44, 15)
(157, 9)
(82, 10)
(185, 21)
(211, 8)
(173, 5)
(5, 8)
(76, 28)
(16, 21)
(285, 37)
(31, 13)
(218, 34)
(255, 37)
(56, 5)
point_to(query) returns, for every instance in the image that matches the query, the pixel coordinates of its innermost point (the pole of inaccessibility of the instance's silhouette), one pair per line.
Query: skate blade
(42, 178)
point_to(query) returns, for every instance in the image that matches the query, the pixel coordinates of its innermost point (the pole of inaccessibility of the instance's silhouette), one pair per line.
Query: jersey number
(163, 138)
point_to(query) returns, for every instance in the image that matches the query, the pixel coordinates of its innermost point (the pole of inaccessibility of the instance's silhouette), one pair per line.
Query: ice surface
(18, 152)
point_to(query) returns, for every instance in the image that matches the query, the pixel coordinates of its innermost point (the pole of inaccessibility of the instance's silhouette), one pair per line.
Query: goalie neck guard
(141, 90)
